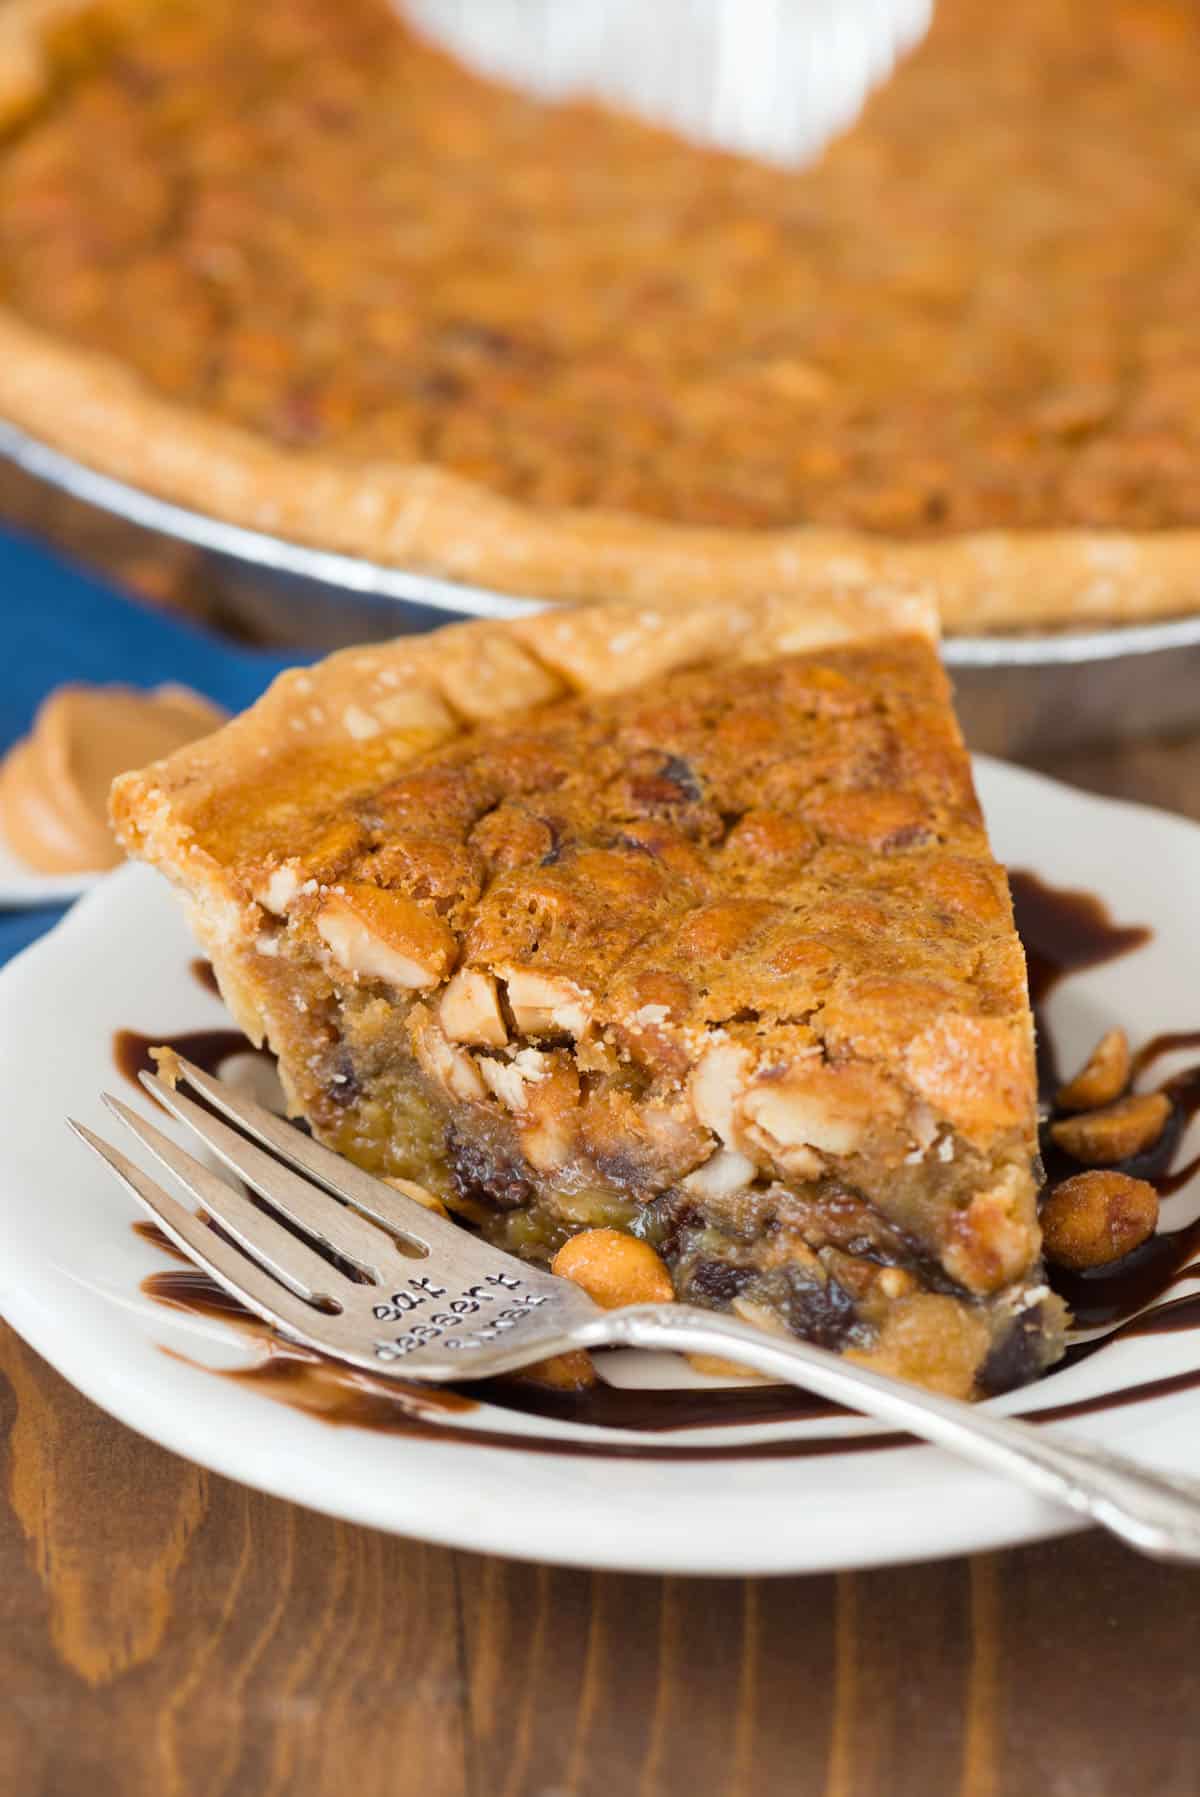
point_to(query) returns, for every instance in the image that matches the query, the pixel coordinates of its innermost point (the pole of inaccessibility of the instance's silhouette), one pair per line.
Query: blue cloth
(62, 624)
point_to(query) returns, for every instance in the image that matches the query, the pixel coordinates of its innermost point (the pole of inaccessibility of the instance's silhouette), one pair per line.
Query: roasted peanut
(1102, 1078)
(1101, 1138)
(470, 1010)
(896, 1282)
(443, 1061)
(614, 1268)
(379, 935)
(572, 1371)
(1097, 1217)
(542, 1006)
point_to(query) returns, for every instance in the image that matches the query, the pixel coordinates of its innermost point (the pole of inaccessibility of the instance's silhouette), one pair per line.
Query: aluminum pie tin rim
(358, 575)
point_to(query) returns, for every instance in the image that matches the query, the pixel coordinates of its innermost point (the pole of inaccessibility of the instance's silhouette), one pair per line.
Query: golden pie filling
(686, 928)
(977, 310)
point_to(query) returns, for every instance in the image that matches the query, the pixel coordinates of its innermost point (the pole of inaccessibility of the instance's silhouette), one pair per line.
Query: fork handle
(1152, 1511)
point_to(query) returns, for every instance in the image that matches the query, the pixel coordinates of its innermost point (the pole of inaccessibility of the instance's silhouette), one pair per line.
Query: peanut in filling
(817, 1259)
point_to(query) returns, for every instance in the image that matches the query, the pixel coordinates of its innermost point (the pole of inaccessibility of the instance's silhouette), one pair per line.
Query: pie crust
(423, 516)
(682, 923)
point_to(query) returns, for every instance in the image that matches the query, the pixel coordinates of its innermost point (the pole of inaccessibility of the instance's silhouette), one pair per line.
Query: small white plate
(21, 889)
(777, 1497)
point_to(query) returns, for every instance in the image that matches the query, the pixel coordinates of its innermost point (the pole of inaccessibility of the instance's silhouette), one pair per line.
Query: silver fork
(412, 1293)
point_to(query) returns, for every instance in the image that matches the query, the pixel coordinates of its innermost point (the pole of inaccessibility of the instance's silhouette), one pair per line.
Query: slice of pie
(323, 282)
(684, 925)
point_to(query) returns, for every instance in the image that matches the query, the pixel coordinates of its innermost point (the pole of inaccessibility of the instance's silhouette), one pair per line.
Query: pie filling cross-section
(683, 924)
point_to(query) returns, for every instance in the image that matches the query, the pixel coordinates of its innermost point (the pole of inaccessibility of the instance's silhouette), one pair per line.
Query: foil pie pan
(1022, 696)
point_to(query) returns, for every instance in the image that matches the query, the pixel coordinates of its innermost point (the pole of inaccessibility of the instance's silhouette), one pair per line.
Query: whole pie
(287, 264)
(682, 924)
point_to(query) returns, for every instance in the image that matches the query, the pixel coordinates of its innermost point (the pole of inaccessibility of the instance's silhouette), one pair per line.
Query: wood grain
(162, 1631)
(165, 1633)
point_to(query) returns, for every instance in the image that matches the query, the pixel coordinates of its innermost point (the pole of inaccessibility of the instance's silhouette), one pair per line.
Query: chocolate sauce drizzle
(1063, 932)
(209, 1049)
(202, 972)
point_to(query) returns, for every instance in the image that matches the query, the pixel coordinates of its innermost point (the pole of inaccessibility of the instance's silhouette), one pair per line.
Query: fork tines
(282, 1251)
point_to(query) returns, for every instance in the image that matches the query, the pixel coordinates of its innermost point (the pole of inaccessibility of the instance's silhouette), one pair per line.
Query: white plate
(71, 1267)
(23, 889)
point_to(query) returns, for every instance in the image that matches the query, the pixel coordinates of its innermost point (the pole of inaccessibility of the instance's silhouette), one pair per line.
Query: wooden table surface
(163, 1631)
